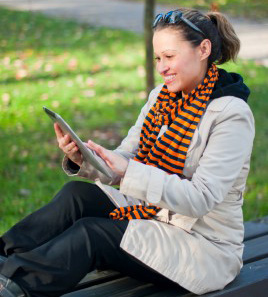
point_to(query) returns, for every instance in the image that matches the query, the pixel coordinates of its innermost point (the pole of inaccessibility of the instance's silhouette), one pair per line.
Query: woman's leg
(74, 201)
(58, 265)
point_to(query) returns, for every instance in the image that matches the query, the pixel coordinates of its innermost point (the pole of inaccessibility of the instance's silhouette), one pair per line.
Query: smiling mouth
(169, 78)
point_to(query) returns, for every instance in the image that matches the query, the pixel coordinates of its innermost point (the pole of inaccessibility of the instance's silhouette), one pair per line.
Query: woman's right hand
(68, 146)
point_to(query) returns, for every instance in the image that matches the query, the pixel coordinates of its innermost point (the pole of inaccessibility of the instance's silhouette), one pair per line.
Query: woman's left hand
(117, 163)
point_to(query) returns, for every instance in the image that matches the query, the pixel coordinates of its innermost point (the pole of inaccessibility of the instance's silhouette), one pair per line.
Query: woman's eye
(157, 58)
(169, 57)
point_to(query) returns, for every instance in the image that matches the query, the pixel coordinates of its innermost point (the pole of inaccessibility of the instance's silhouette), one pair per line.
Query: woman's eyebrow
(166, 51)
(169, 50)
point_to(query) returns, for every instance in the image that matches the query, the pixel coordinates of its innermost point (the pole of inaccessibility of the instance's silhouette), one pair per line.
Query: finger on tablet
(58, 130)
(89, 144)
(92, 145)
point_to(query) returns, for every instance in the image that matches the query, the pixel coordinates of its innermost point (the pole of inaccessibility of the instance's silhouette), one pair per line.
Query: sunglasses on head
(172, 17)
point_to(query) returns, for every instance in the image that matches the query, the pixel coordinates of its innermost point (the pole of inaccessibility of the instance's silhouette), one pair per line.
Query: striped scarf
(181, 113)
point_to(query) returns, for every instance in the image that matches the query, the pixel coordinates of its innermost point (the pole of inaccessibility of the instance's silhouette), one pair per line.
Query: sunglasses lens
(157, 19)
(177, 16)
(168, 16)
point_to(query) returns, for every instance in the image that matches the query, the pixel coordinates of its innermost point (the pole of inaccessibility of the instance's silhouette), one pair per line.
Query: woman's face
(181, 65)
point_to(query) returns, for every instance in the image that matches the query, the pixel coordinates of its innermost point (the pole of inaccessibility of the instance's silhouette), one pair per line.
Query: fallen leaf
(90, 82)
(79, 79)
(24, 192)
(6, 99)
(21, 73)
(55, 103)
(51, 84)
(38, 64)
(48, 68)
(89, 93)
(44, 97)
(18, 63)
(6, 61)
(96, 68)
(69, 83)
(76, 100)
(24, 154)
(72, 64)
(105, 60)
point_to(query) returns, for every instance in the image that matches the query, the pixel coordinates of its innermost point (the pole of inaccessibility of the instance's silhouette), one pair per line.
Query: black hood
(230, 84)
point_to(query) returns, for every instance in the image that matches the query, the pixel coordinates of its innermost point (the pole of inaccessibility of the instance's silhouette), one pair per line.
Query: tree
(148, 35)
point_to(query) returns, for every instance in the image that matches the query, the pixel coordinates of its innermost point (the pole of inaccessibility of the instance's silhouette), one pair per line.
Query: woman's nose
(162, 67)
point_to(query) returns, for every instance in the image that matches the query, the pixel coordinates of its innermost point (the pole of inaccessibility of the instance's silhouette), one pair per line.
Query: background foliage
(95, 79)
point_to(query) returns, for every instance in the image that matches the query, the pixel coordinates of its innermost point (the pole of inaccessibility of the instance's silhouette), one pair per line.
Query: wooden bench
(251, 282)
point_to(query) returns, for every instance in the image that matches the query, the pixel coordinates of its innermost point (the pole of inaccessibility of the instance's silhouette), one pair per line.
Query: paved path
(129, 15)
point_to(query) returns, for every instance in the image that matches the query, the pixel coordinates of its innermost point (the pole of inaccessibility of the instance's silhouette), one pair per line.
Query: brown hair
(225, 44)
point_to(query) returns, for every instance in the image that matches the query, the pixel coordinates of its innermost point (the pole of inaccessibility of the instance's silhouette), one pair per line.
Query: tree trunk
(148, 34)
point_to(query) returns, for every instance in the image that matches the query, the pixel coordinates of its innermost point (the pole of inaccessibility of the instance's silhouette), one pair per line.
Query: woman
(182, 169)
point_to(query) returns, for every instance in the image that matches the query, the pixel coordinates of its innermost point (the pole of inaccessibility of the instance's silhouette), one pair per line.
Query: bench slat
(97, 277)
(255, 249)
(258, 289)
(114, 288)
(256, 228)
(128, 287)
(146, 290)
(169, 293)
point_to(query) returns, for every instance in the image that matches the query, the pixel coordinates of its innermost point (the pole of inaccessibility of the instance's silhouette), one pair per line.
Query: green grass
(243, 8)
(95, 79)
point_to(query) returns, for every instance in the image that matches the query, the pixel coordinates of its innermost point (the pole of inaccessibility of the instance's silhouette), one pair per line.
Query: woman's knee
(78, 187)
(93, 225)
(72, 190)
(102, 228)
(75, 186)
(84, 199)
(86, 226)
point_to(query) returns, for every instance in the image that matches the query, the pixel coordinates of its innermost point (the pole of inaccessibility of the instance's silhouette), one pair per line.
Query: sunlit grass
(95, 79)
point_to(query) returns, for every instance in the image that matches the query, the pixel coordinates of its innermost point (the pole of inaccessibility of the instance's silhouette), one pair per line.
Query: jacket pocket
(183, 222)
(234, 196)
(155, 186)
(193, 155)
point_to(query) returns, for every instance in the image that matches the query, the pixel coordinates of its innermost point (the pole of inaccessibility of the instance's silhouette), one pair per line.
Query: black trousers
(52, 249)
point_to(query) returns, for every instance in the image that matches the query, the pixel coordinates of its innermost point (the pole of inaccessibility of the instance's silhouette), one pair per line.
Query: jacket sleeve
(228, 146)
(126, 149)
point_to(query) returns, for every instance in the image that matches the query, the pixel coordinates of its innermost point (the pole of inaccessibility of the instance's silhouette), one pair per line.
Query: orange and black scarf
(181, 113)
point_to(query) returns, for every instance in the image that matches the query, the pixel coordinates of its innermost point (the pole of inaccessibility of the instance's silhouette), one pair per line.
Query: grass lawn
(95, 79)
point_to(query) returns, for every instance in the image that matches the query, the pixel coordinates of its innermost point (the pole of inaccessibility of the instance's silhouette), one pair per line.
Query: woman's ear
(205, 49)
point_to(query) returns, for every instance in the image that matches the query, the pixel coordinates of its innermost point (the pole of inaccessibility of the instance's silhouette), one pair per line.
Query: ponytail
(230, 44)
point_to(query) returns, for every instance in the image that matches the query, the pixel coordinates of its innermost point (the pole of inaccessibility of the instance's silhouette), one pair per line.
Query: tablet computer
(87, 153)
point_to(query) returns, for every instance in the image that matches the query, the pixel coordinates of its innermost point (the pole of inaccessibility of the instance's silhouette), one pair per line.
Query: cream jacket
(196, 239)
